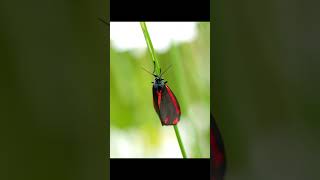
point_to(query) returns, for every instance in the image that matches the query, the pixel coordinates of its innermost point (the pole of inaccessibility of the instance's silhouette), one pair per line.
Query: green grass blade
(150, 47)
(157, 71)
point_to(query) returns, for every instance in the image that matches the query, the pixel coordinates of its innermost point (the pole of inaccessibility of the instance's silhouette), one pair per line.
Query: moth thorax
(159, 81)
(158, 84)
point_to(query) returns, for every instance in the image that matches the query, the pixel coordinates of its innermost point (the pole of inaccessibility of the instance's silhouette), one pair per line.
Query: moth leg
(154, 67)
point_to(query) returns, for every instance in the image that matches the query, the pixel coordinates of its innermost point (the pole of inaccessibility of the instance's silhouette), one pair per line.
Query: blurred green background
(136, 131)
(53, 84)
(265, 87)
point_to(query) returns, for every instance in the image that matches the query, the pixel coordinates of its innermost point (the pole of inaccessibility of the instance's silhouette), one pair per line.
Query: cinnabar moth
(218, 159)
(165, 102)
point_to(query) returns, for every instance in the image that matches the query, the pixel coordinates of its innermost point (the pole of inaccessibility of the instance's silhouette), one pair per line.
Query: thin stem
(183, 151)
(150, 47)
(157, 71)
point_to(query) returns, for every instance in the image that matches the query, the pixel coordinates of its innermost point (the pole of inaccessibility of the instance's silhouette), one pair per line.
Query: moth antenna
(165, 70)
(105, 22)
(148, 72)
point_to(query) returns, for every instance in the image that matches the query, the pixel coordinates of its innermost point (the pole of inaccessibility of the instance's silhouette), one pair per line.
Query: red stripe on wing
(166, 120)
(175, 121)
(218, 156)
(173, 99)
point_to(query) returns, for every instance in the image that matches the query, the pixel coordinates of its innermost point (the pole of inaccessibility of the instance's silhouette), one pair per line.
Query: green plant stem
(150, 47)
(157, 71)
(183, 151)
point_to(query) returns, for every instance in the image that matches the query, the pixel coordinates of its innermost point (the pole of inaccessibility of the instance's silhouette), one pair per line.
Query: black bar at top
(161, 10)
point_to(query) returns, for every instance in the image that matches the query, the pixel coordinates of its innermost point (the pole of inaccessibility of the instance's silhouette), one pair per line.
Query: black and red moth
(218, 159)
(165, 102)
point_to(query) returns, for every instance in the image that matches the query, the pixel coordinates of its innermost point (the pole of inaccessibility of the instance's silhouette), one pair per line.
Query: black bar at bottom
(160, 168)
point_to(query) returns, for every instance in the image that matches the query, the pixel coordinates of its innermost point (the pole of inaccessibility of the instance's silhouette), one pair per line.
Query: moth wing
(169, 107)
(155, 101)
(217, 151)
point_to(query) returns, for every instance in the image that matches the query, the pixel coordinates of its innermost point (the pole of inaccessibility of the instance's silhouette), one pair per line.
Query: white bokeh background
(128, 35)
